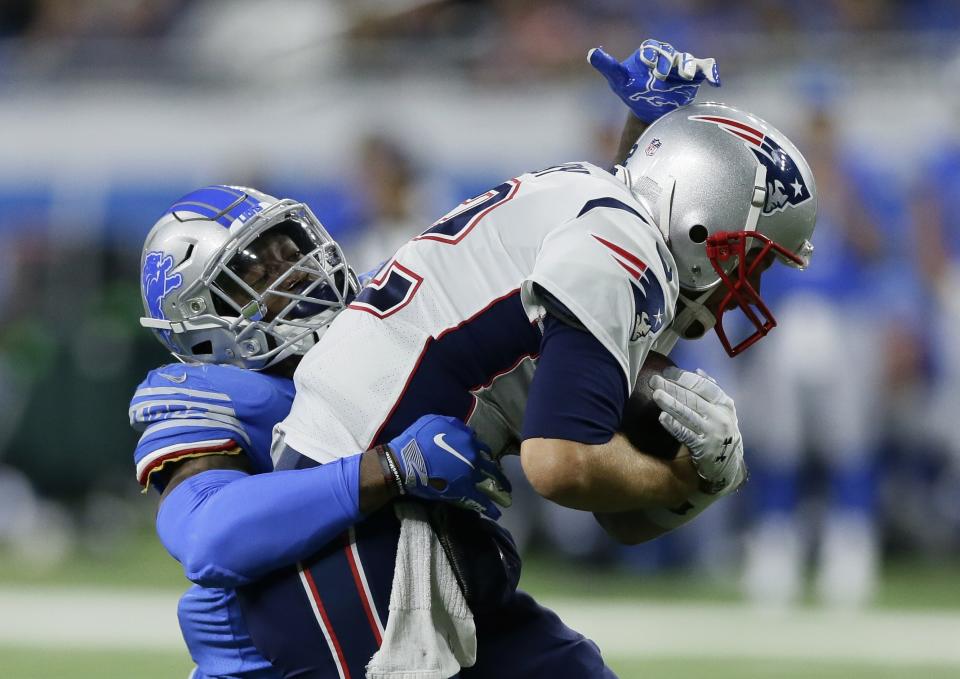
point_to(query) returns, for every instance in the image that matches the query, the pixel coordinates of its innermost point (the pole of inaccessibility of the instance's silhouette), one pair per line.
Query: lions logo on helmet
(156, 283)
(233, 275)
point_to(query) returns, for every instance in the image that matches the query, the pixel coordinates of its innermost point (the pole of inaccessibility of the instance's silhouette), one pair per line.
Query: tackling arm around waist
(228, 528)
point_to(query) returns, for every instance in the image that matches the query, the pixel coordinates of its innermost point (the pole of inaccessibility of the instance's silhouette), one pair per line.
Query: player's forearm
(610, 477)
(632, 129)
(228, 529)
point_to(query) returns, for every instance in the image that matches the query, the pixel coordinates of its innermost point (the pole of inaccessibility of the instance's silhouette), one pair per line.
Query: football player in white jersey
(527, 312)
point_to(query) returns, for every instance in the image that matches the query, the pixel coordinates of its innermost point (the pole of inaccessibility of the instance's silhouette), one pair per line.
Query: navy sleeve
(578, 391)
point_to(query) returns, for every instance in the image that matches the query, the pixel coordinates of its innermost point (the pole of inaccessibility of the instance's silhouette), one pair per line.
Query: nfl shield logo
(652, 147)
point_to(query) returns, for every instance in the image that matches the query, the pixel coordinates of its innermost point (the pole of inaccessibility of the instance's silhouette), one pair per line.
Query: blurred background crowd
(384, 114)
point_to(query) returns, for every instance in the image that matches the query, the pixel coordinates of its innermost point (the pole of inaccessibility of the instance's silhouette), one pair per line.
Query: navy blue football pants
(325, 618)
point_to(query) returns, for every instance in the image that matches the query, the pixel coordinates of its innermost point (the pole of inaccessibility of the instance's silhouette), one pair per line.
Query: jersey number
(453, 226)
(395, 285)
(390, 291)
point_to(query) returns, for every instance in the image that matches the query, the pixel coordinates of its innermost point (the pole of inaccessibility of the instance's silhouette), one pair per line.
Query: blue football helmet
(232, 275)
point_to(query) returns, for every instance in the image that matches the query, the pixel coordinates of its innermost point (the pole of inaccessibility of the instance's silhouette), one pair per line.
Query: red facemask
(720, 248)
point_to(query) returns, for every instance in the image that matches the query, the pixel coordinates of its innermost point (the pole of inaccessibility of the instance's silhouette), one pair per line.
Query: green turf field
(669, 668)
(141, 567)
(142, 562)
(905, 585)
(19, 663)
(44, 663)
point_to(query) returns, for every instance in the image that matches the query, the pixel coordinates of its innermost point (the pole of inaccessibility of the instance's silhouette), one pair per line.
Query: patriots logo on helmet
(785, 185)
(157, 283)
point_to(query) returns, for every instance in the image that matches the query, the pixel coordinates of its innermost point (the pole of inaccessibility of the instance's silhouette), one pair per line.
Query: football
(640, 422)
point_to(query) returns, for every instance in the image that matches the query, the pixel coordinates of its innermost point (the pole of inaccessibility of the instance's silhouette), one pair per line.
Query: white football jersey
(451, 324)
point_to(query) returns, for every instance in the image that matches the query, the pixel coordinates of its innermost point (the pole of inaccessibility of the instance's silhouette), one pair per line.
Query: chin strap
(694, 310)
(758, 200)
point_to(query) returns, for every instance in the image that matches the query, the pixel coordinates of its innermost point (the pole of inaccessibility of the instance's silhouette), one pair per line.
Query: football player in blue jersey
(237, 285)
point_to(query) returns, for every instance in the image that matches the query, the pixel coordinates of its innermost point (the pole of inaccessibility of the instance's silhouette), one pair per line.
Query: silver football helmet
(722, 183)
(232, 275)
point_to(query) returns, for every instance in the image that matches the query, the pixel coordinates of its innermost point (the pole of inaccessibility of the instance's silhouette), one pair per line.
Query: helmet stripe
(200, 208)
(221, 203)
(745, 137)
(732, 123)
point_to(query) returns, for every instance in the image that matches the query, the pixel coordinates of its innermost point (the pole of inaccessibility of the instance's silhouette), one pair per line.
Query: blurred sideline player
(397, 200)
(830, 401)
(528, 312)
(237, 285)
(938, 255)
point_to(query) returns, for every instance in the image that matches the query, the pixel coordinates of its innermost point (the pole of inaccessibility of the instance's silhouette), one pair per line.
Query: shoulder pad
(207, 383)
(178, 376)
(188, 410)
(184, 411)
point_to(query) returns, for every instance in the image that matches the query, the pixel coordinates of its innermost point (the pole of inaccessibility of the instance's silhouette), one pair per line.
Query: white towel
(430, 633)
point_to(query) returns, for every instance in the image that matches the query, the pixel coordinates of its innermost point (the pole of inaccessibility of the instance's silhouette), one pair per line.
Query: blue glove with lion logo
(656, 79)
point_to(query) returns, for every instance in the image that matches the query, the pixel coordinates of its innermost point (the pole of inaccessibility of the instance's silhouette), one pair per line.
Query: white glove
(700, 415)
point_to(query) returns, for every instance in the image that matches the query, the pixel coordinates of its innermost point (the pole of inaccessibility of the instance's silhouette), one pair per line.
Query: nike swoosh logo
(176, 379)
(440, 443)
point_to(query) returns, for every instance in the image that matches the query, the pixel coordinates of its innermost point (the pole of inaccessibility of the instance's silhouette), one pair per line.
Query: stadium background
(381, 115)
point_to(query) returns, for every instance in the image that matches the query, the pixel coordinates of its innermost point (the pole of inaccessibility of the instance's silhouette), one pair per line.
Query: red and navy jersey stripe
(325, 617)
(460, 360)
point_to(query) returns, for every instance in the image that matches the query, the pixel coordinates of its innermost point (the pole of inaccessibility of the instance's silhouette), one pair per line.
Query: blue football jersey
(217, 637)
(193, 410)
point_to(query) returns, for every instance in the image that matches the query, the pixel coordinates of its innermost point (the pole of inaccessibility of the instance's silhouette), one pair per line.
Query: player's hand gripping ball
(641, 415)
(700, 415)
(655, 79)
(441, 458)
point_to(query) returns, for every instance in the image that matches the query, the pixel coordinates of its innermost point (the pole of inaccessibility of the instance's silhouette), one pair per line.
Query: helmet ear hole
(202, 348)
(698, 233)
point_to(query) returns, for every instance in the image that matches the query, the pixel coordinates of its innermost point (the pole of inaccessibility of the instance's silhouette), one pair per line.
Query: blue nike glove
(441, 458)
(655, 79)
